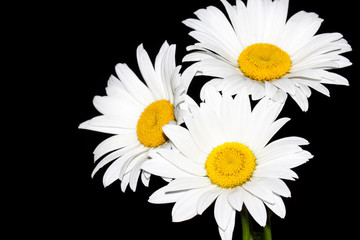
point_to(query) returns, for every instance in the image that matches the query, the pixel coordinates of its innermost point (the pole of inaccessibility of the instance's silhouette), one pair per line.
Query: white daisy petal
(199, 137)
(235, 20)
(233, 84)
(182, 162)
(160, 56)
(207, 198)
(113, 171)
(333, 78)
(256, 208)
(115, 105)
(136, 170)
(168, 68)
(327, 61)
(229, 118)
(106, 129)
(163, 168)
(216, 68)
(301, 99)
(270, 89)
(212, 133)
(183, 141)
(275, 185)
(213, 98)
(274, 172)
(320, 44)
(187, 76)
(256, 90)
(145, 178)
(217, 22)
(243, 107)
(217, 83)
(280, 96)
(228, 233)
(299, 29)
(278, 207)
(273, 129)
(256, 17)
(160, 197)
(236, 198)
(259, 191)
(113, 121)
(133, 84)
(182, 184)
(291, 160)
(125, 182)
(149, 75)
(264, 115)
(212, 125)
(185, 207)
(302, 87)
(113, 143)
(114, 155)
(285, 84)
(281, 147)
(223, 210)
(317, 86)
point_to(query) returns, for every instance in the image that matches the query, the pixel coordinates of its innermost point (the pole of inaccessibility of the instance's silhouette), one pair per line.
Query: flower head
(225, 156)
(262, 51)
(135, 113)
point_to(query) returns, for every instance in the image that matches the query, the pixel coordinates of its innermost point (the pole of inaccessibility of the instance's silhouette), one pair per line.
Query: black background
(66, 52)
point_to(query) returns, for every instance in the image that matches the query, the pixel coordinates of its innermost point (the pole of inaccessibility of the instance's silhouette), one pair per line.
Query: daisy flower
(135, 113)
(256, 47)
(224, 156)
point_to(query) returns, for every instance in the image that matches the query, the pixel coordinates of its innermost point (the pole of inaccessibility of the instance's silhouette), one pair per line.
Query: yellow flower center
(154, 117)
(230, 164)
(264, 62)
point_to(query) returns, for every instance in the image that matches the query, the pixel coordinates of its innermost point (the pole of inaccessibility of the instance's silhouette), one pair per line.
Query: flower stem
(267, 228)
(246, 234)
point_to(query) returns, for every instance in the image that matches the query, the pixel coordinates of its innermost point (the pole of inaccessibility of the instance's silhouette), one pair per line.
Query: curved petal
(207, 198)
(161, 167)
(258, 190)
(113, 172)
(185, 207)
(228, 233)
(183, 141)
(183, 163)
(256, 208)
(160, 197)
(113, 143)
(278, 207)
(148, 73)
(223, 210)
(133, 84)
(182, 184)
(236, 198)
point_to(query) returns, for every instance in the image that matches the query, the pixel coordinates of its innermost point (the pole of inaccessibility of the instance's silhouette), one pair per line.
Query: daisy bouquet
(219, 151)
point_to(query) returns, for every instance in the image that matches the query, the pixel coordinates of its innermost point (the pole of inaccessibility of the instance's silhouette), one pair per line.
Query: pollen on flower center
(264, 62)
(230, 164)
(153, 118)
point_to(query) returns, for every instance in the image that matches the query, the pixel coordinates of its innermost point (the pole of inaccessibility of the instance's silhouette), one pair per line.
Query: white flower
(224, 156)
(262, 51)
(135, 113)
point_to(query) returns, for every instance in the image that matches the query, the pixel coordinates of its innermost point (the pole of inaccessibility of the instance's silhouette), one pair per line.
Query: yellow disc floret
(154, 117)
(230, 164)
(264, 62)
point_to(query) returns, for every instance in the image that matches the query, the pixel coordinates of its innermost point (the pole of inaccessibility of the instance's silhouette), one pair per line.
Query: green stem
(267, 228)
(246, 234)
